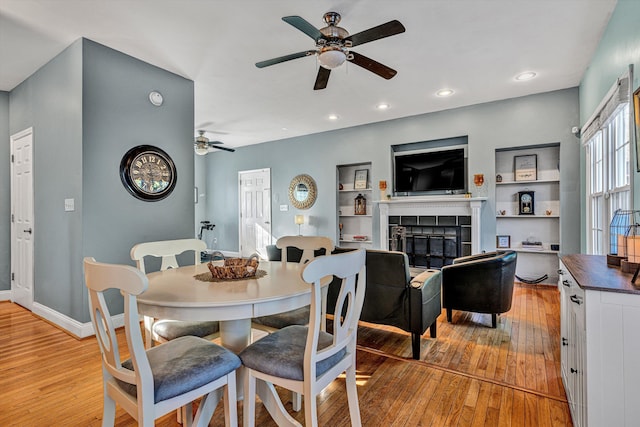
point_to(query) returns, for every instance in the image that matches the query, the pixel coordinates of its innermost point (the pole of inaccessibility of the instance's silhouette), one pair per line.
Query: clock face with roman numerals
(148, 173)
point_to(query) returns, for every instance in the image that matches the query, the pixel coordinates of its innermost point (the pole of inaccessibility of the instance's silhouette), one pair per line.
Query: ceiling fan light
(201, 149)
(332, 58)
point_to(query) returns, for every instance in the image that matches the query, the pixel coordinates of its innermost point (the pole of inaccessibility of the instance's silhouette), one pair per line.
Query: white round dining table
(177, 294)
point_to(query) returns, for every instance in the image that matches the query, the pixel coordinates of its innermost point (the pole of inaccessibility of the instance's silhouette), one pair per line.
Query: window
(608, 167)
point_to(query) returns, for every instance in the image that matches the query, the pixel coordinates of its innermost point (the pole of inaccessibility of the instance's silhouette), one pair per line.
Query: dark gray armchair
(393, 298)
(480, 283)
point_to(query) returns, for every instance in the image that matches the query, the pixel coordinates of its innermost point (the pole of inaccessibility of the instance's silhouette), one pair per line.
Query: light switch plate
(284, 208)
(69, 205)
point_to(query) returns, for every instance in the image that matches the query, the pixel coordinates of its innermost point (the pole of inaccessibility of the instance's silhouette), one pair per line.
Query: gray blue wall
(619, 47)
(88, 106)
(536, 119)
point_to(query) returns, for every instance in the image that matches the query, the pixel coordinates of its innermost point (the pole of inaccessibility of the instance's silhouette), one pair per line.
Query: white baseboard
(5, 295)
(79, 329)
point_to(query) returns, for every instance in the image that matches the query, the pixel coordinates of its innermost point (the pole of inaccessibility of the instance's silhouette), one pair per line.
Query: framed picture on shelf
(636, 127)
(525, 168)
(361, 178)
(503, 242)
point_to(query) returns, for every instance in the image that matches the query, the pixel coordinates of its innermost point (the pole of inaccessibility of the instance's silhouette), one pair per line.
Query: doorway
(22, 229)
(255, 211)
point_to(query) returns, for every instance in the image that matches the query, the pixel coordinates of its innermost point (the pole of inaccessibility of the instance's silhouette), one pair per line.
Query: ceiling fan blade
(285, 58)
(373, 66)
(322, 78)
(215, 142)
(231, 150)
(304, 26)
(390, 28)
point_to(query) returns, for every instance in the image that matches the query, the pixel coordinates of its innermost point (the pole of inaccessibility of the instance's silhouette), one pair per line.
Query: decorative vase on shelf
(383, 189)
(481, 189)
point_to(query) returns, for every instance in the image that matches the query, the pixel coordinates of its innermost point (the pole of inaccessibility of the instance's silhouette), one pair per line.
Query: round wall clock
(148, 173)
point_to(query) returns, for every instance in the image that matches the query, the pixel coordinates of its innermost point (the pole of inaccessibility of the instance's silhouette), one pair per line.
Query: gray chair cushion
(298, 316)
(184, 364)
(172, 329)
(282, 353)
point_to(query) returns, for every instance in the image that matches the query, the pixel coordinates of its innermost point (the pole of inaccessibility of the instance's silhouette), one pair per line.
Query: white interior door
(255, 211)
(22, 218)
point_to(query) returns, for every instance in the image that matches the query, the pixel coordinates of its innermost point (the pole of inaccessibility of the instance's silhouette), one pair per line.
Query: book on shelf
(534, 246)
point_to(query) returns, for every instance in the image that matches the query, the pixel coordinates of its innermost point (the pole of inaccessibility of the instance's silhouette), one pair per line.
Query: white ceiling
(474, 47)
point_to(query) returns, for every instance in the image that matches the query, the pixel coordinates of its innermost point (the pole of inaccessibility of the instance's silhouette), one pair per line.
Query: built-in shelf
(546, 198)
(352, 224)
(538, 181)
(535, 251)
(527, 216)
(360, 190)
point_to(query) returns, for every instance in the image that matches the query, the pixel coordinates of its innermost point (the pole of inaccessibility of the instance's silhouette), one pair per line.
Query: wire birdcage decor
(619, 230)
(624, 241)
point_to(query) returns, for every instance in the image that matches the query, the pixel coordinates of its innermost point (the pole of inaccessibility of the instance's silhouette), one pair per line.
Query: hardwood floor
(471, 375)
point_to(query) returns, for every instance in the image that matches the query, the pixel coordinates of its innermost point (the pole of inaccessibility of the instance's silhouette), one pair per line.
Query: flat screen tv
(430, 173)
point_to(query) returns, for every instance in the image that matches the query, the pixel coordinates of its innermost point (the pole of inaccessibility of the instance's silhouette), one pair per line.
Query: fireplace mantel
(452, 205)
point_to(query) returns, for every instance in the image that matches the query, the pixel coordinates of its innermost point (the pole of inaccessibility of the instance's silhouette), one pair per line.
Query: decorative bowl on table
(235, 268)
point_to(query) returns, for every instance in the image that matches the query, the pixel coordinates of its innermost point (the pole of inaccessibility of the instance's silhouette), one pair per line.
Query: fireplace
(431, 230)
(429, 244)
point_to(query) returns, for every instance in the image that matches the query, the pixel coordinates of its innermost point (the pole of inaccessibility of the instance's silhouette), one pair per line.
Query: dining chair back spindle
(170, 376)
(305, 359)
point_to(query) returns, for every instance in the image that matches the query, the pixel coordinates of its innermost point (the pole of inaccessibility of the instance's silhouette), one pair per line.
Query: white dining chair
(167, 377)
(306, 359)
(308, 245)
(300, 316)
(164, 330)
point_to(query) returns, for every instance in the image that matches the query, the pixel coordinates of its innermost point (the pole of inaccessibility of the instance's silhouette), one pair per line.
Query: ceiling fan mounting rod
(332, 18)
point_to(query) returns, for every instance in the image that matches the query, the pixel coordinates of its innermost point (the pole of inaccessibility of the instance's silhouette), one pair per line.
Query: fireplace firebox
(430, 241)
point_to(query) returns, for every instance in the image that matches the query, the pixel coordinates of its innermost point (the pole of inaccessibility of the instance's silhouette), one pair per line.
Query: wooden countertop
(591, 272)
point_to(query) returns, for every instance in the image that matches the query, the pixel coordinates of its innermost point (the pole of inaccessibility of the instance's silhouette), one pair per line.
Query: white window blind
(606, 138)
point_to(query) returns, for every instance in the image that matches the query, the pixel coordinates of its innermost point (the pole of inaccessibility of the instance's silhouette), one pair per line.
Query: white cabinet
(542, 223)
(354, 230)
(572, 345)
(600, 347)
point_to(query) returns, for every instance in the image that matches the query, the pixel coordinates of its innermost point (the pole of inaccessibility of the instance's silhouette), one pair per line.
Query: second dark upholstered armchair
(480, 283)
(393, 298)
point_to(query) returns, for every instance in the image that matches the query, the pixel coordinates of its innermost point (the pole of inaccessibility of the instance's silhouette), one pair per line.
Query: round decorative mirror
(302, 191)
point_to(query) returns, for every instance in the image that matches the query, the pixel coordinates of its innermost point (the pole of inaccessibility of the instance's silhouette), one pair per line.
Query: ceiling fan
(202, 144)
(333, 46)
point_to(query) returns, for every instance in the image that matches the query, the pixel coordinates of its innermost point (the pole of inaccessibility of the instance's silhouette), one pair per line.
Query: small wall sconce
(299, 220)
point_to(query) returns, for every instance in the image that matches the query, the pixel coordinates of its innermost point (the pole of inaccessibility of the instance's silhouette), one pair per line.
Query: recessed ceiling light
(333, 117)
(444, 92)
(382, 106)
(285, 129)
(525, 76)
